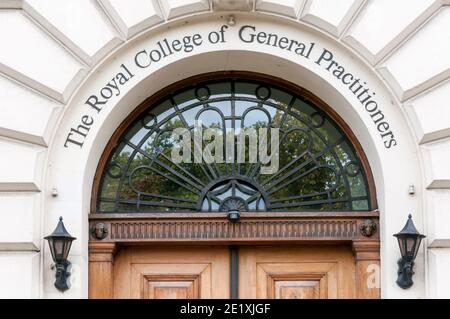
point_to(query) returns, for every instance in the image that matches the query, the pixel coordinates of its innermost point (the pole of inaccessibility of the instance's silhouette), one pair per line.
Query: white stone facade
(56, 53)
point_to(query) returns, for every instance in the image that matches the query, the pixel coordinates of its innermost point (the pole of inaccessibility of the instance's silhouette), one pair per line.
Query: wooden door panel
(171, 281)
(171, 287)
(296, 273)
(308, 280)
(264, 272)
(296, 289)
(170, 273)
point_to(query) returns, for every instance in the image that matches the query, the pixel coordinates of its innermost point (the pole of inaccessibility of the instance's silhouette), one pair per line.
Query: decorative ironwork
(409, 240)
(319, 169)
(60, 242)
(233, 203)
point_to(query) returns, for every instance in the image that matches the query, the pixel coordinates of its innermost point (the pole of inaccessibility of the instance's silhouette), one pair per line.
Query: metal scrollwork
(318, 168)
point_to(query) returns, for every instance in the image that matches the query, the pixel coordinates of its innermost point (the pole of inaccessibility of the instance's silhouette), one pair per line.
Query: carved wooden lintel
(218, 229)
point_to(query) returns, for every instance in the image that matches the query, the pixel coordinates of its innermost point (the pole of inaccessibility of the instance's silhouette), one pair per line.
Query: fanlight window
(318, 167)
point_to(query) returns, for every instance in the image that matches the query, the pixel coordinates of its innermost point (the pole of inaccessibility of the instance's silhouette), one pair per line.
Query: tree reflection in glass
(318, 168)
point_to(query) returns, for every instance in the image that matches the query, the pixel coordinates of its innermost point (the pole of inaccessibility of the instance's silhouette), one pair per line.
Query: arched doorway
(151, 214)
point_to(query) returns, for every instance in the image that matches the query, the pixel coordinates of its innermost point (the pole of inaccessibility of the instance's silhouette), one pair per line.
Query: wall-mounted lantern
(60, 242)
(409, 240)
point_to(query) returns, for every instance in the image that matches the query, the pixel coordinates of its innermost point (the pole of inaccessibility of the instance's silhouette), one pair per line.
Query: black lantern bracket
(62, 275)
(60, 242)
(409, 240)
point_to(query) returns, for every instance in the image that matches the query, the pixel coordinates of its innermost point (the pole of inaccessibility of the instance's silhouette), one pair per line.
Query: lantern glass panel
(416, 248)
(402, 245)
(67, 245)
(410, 246)
(59, 249)
(52, 248)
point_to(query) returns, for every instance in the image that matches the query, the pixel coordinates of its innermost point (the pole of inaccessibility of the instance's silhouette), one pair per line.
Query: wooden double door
(219, 272)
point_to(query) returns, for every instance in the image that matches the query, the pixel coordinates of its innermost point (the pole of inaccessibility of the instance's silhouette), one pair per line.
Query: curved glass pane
(318, 168)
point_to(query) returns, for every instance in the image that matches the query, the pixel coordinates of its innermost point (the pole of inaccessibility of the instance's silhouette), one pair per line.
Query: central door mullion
(234, 272)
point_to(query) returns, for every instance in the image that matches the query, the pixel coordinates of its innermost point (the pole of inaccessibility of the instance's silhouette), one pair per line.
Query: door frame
(358, 229)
